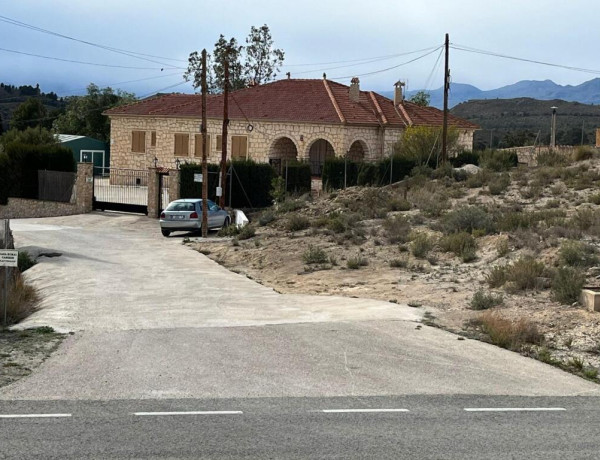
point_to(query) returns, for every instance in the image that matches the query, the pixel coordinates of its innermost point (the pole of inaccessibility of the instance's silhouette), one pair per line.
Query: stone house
(293, 119)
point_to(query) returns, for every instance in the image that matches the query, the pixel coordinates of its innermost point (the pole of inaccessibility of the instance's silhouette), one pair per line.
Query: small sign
(197, 177)
(219, 191)
(89, 179)
(9, 258)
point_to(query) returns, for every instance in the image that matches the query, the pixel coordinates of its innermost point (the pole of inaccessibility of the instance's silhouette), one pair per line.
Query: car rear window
(181, 207)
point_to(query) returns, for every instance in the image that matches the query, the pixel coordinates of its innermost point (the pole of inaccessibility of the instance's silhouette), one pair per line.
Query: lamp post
(553, 129)
(155, 162)
(177, 163)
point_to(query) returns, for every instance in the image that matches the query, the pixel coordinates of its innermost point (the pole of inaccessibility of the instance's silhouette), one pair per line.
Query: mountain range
(586, 93)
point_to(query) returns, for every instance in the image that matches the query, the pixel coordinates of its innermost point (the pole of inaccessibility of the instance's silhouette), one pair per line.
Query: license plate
(177, 217)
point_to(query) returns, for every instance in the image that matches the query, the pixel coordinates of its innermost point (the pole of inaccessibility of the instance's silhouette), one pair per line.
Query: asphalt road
(414, 427)
(161, 328)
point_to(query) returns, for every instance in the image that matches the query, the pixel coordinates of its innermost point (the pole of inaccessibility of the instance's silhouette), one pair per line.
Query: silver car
(186, 215)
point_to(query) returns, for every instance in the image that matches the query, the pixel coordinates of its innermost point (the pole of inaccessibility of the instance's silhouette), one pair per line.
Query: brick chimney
(354, 89)
(398, 92)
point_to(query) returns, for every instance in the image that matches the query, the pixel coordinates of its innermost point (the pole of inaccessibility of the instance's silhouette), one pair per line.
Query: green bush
(467, 219)
(354, 263)
(577, 254)
(23, 162)
(333, 172)
(496, 277)
(398, 166)
(552, 158)
(368, 174)
(397, 229)
(461, 244)
(299, 178)
(25, 262)
(421, 244)
(498, 160)
(583, 152)
(297, 222)
(314, 255)
(567, 284)
(483, 301)
(524, 273)
(266, 218)
(250, 187)
(499, 184)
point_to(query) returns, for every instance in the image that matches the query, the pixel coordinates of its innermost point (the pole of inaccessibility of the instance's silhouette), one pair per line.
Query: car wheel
(165, 232)
(227, 222)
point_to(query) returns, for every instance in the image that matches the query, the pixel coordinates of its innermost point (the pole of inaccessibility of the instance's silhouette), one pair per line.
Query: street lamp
(155, 162)
(553, 128)
(177, 163)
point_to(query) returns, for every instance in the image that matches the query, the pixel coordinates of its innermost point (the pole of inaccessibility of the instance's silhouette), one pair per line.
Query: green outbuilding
(87, 149)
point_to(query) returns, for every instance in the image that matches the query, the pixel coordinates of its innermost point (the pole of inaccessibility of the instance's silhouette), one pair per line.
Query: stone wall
(528, 155)
(81, 201)
(261, 139)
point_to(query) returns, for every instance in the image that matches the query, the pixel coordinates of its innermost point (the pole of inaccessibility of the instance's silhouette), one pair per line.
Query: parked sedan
(186, 215)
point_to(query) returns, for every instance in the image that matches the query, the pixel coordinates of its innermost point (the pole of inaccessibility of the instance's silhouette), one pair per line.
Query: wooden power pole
(204, 150)
(446, 89)
(223, 181)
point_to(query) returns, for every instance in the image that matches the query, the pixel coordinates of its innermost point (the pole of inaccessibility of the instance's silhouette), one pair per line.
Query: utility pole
(446, 89)
(553, 129)
(204, 150)
(223, 181)
(582, 131)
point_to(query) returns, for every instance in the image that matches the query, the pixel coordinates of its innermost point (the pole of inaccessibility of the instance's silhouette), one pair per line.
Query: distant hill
(518, 121)
(586, 93)
(11, 96)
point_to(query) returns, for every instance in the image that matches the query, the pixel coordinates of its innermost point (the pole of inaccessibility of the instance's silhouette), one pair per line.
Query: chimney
(398, 92)
(354, 89)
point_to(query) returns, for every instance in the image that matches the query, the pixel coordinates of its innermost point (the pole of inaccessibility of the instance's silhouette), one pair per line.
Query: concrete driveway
(154, 319)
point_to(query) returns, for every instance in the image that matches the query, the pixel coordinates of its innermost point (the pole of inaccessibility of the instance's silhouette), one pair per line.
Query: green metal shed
(87, 149)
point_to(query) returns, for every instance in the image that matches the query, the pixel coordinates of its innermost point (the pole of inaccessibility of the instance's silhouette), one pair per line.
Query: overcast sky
(310, 32)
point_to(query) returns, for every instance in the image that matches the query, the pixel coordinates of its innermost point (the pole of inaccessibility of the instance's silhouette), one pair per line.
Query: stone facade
(81, 201)
(266, 140)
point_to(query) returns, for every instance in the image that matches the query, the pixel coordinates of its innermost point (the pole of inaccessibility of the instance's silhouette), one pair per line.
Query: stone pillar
(153, 192)
(174, 193)
(84, 187)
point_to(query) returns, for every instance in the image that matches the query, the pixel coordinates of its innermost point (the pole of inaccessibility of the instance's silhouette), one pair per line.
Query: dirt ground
(439, 281)
(22, 351)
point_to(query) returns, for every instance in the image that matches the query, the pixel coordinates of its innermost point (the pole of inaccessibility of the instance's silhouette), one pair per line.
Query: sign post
(8, 258)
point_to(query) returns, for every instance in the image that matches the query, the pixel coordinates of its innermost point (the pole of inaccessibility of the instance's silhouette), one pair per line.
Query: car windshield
(181, 207)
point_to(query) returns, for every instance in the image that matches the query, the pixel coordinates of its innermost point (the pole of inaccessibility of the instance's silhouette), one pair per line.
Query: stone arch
(318, 150)
(358, 150)
(282, 149)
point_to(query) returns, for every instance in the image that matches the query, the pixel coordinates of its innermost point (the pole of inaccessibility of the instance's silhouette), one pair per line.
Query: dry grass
(512, 335)
(22, 301)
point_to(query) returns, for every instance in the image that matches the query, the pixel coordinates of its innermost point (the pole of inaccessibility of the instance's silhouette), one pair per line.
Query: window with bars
(138, 141)
(219, 142)
(182, 145)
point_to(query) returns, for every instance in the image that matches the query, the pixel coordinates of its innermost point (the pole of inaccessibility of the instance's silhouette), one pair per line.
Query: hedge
(359, 173)
(298, 177)
(4, 175)
(25, 160)
(251, 185)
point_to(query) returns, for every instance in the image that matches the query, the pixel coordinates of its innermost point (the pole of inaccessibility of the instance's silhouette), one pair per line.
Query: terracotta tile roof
(295, 100)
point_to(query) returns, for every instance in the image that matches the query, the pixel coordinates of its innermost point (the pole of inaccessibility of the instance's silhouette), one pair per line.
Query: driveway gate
(121, 190)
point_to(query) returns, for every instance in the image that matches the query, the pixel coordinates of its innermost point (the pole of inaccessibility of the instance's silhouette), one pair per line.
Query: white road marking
(33, 415)
(514, 409)
(197, 412)
(342, 411)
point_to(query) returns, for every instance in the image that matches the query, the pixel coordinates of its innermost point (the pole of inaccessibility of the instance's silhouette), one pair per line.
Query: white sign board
(9, 258)
(219, 191)
(197, 177)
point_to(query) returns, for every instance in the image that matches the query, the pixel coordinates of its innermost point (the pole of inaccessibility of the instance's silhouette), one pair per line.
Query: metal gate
(121, 190)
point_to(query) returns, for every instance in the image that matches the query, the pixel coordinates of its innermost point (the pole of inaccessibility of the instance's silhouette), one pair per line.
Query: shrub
(398, 204)
(299, 177)
(431, 202)
(240, 233)
(583, 152)
(278, 192)
(421, 244)
(314, 255)
(368, 174)
(354, 263)
(551, 158)
(467, 219)
(496, 277)
(498, 160)
(499, 184)
(523, 273)
(290, 205)
(297, 222)
(502, 247)
(22, 301)
(25, 262)
(333, 172)
(505, 333)
(479, 179)
(247, 232)
(266, 218)
(595, 198)
(462, 244)
(577, 254)
(399, 263)
(483, 301)
(567, 284)
(397, 229)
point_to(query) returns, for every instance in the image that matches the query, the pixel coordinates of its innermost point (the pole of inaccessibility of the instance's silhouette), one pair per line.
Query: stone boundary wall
(528, 155)
(81, 201)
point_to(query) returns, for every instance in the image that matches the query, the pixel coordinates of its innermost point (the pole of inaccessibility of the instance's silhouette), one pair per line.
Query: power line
(504, 56)
(97, 45)
(388, 68)
(364, 62)
(79, 62)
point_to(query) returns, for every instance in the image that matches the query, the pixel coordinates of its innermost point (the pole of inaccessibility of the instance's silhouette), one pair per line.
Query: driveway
(154, 319)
